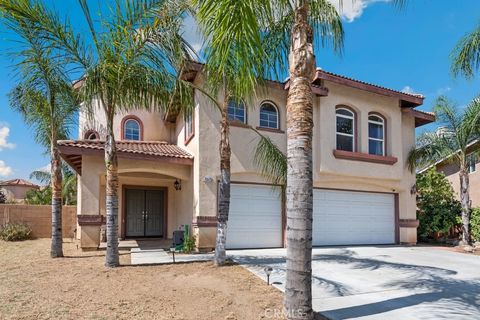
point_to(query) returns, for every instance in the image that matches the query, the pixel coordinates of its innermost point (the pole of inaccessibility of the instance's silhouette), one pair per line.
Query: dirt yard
(33, 286)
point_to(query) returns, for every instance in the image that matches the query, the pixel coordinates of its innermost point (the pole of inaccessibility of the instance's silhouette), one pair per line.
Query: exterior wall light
(177, 185)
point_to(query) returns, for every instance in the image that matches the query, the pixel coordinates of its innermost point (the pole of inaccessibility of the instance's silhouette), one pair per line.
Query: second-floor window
(376, 135)
(472, 162)
(236, 111)
(345, 129)
(189, 129)
(269, 116)
(131, 130)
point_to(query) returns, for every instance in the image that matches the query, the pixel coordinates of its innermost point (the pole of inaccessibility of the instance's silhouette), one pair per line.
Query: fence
(39, 218)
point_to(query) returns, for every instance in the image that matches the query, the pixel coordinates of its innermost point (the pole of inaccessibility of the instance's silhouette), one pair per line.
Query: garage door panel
(255, 218)
(346, 218)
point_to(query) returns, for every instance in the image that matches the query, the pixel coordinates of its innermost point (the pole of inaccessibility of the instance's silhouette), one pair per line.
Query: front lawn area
(33, 286)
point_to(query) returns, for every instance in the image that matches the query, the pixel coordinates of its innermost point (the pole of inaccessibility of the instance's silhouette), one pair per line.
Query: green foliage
(3, 197)
(475, 224)
(15, 232)
(466, 55)
(39, 197)
(189, 244)
(437, 208)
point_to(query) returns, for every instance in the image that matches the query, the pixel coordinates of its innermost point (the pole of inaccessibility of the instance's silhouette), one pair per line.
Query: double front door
(145, 212)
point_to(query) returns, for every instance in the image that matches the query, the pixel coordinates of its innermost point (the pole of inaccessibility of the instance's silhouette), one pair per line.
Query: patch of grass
(15, 232)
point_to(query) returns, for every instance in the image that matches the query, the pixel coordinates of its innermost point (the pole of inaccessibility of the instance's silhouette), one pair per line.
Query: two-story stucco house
(169, 167)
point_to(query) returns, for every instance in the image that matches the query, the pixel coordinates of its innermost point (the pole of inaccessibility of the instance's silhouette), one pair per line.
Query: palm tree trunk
(465, 202)
(224, 187)
(56, 250)
(299, 194)
(111, 163)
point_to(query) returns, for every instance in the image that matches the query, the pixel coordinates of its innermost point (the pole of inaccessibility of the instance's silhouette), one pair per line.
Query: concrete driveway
(382, 282)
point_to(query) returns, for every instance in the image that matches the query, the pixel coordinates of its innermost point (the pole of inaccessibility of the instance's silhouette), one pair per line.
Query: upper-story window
(236, 111)
(189, 128)
(91, 135)
(132, 128)
(376, 135)
(345, 129)
(472, 162)
(269, 116)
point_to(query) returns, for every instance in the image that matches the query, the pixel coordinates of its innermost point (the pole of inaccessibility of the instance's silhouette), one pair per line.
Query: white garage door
(255, 218)
(345, 218)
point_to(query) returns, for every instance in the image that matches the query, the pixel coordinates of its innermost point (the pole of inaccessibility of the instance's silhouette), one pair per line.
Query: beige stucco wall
(15, 193)
(451, 172)
(154, 128)
(329, 172)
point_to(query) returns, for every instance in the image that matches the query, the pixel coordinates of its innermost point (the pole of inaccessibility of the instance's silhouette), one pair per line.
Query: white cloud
(5, 170)
(352, 9)
(408, 89)
(4, 132)
(192, 34)
(443, 91)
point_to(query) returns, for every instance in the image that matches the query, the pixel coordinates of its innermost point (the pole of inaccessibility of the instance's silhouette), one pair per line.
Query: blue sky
(400, 49)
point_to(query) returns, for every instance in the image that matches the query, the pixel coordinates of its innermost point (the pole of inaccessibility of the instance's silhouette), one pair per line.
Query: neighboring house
(169, 167)
(451, 170)
(16, 190)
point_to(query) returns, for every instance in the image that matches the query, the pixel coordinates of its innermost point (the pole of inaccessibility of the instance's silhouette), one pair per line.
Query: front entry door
(144, 212)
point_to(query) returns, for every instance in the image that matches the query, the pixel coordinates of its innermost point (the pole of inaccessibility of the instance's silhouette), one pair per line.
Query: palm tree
(45, 100)
(466, 54)
(69, 182)
(132, 61)
(452, 141)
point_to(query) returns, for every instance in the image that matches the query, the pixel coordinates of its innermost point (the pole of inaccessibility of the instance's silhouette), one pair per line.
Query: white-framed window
(472, 162)
(236, 111)
(188, 118)
(269, 116)
(376, 135)
(345, 129)
(131, 130)
(92, 135)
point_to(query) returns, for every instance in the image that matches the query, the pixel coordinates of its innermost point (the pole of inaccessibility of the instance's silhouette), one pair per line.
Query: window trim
(90, 132)
(376, 114)
(140, 125)
(469, 158)
(245, 113)
(188, 138)
(269, 102)
(354, 118)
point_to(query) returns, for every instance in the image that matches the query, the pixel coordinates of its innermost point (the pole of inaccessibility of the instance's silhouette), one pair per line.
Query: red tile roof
(72, 151)
(18, 182)
(155, 148)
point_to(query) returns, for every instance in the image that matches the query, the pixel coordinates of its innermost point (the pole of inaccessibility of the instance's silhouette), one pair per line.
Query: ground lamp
(268, 272)
(172, 250)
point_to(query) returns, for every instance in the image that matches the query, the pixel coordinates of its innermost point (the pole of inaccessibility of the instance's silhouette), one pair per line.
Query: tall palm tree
(132, 61)
(44, 98)
(466, 54)
(459, 129)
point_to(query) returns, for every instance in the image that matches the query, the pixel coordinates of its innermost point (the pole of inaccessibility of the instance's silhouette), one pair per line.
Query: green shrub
(15, 232)
(475, 224)
(189, 244)
(437, 208)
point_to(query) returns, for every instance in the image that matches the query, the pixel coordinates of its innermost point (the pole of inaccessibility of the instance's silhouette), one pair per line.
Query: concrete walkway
(382, 282)
(139, 256)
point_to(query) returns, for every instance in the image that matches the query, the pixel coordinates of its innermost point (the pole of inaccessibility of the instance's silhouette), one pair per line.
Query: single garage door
(349, 218)
(255, 218)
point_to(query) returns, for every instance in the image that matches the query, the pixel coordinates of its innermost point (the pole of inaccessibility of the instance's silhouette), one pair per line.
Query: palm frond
(466, 55)
(270, 160)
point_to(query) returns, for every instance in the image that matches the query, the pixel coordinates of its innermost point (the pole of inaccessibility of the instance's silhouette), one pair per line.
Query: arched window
(132, 128)
(269, 116)
(236, 111)
(376, 135)
(91, 135)
(345, 129)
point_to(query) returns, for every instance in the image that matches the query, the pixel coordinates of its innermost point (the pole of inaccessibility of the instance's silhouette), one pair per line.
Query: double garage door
(339, 217)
